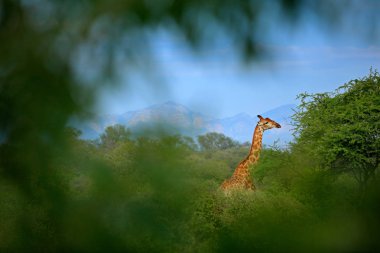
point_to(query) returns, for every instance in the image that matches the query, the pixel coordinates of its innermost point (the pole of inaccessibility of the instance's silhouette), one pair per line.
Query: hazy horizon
(251, 114)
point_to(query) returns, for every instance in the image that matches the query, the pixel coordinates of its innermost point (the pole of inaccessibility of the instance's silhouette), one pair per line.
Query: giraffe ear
(259, 116)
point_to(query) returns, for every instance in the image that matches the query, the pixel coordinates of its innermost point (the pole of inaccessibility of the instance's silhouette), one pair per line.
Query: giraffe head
(267, 123)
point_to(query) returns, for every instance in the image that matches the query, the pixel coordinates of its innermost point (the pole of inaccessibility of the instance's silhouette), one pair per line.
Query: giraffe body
(241, 178)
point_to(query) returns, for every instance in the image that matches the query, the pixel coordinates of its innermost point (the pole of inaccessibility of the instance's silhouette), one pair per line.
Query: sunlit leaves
(342, 128)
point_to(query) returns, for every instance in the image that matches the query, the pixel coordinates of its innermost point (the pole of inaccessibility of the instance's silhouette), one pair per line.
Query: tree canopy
(113, 135)
(216, 141)
(342, 128)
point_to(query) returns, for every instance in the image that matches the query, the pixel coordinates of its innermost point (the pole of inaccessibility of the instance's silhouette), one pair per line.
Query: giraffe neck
(243, 168)
(241, 177)
(257, 141)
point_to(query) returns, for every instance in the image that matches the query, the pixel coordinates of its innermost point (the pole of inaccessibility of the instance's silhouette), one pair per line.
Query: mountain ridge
(183, 120)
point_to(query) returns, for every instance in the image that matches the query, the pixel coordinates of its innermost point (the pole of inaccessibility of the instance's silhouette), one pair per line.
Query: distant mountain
(239, 127)
(182, 120)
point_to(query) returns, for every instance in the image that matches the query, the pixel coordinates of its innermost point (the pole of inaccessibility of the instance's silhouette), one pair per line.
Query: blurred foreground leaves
(60, 193)
(160, 194)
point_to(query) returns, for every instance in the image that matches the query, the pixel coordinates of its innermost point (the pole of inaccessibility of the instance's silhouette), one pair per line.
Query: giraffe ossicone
(241, 178)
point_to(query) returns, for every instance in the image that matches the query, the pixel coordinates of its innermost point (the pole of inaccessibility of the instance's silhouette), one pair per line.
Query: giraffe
(241, 179)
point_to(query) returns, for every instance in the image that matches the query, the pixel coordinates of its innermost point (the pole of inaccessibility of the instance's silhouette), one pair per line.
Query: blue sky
(306, 58)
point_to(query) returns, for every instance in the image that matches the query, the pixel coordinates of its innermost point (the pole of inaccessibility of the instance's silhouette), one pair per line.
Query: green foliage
(60, 193)
(216, 141)
(160, 195)
(114, 135)
(341, 129)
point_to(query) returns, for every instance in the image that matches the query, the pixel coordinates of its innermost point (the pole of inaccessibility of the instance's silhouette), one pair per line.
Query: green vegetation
(161, 194)
(343, 127)
(61, 193)
(215, 141)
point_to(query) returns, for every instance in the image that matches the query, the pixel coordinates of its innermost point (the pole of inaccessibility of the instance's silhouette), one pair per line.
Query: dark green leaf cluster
(114, 134)
(216, 141)
(341, 129)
